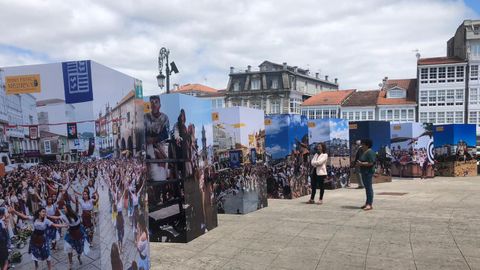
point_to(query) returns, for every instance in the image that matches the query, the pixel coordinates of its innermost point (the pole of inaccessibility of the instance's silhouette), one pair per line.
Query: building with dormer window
(397, 100)
(274, 88)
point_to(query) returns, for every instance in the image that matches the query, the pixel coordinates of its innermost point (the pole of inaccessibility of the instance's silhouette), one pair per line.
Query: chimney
(176, 86)
(295, 69)
(231, 70)
(285, 65)
(249, 68)
(317, 74)
(336, 80)
(326, 77)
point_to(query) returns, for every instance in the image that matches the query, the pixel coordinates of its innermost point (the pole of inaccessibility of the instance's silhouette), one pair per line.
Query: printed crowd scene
(80, 201)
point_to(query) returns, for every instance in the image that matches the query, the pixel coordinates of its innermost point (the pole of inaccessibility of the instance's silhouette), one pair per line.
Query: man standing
(354, 164)
(157, 129)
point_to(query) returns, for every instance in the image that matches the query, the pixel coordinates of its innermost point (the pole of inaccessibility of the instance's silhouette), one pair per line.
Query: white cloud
(277, 149)
(359, 42)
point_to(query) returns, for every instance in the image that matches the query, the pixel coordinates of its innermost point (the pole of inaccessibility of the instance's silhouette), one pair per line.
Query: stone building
(274, 88)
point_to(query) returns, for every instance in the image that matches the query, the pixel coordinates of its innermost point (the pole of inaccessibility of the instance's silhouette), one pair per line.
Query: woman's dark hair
(37, 214)
(367, 142)
(115, 257)
(142, 223)
(70, 213)
(88, 193)
(324, 148)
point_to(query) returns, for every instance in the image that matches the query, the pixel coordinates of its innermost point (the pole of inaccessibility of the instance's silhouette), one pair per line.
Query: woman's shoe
(367, 208)
(310, 201)
(363, 207)
(320, 202)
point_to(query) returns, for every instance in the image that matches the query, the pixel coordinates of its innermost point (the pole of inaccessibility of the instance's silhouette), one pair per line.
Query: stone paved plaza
(435, 225)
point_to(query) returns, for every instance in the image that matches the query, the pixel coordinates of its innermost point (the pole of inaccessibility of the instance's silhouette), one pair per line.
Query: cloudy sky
(359, 42)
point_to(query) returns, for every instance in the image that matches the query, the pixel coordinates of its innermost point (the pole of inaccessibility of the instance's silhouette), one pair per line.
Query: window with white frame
(473, 96)
(458, 117)
(432, 98)
(311, 114)
(236, 86)
(350, 116)
(423, 117)
(305, 113)
(423, 98)
(474, 72)
(450, 97)
(442, 74)
(364, 115)
(383, 115)
(450, 74)
(441, 97)
(274, 84)
(424, 75)
(218, 103)
(333, 113)
(473, 117)
(256, 105)
(432, 117)
(396, 93)
(432, 75)
(357, 115)
(449, 117)
(475, 49)
(459, 97)
(274, 106)
(440, 117)
(255, 84)
(295, 105)
(344, 115)
(460, 73)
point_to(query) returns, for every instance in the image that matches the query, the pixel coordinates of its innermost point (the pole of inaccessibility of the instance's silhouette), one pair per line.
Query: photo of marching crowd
(412, 150)
(334, 133)
(286, 141)
(82, 204)
(180, 181)
(239, 155)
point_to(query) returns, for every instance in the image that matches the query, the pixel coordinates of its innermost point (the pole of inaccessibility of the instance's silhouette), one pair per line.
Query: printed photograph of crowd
(412, 150)
(179, 137)
(239, 155)
(334, 133)
(81, 203)
(56, 211)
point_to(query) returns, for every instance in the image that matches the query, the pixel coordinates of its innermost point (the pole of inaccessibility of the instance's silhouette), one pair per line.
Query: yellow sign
(268, 122)
(215, 116)
(440, 128)
(239, 125)
(146, 107)
(311, 124)
(352, 126)
(397, 127)
(24, 84)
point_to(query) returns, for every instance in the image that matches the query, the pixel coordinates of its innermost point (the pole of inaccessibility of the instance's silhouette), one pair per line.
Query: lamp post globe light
(169, 68)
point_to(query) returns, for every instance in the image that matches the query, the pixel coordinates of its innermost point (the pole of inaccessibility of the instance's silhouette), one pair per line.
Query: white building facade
(442, 90)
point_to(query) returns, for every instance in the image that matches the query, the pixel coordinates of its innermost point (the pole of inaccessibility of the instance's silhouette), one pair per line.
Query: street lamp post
(169, 68)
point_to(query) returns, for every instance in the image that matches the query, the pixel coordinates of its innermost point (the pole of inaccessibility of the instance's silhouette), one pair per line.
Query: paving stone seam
(411, 245)
(455, 240)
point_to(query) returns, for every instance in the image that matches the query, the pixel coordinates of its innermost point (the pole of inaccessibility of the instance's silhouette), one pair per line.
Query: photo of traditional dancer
(179, 138)
(334, 133)
(287, 154)
(241, 185)
(455, 149)
(412, 150)
(56, 200)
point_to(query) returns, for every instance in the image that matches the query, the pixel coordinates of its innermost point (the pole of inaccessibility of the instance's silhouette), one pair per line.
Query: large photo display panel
(239, 155)
(334, 133)
(379, 133)
(287, 155)
(181, 177)
(73, 192)
(455, 149)
(412, 150)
